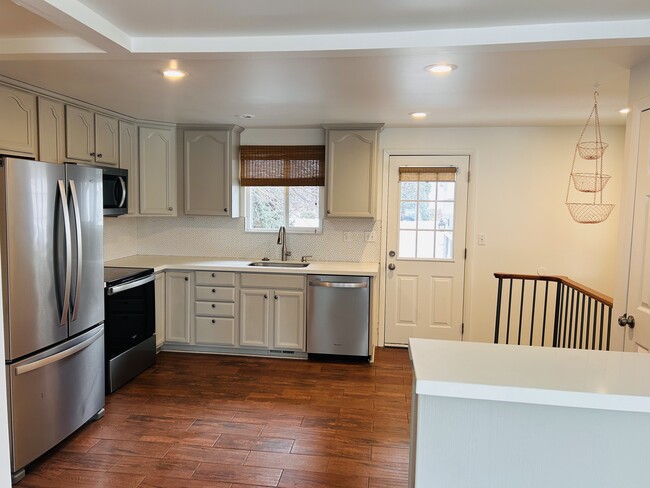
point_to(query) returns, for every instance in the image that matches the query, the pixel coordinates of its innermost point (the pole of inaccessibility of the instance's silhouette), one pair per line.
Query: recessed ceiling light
(440, 68)
(419, 115)
(174, 73)
(246, 116)
(624, 111)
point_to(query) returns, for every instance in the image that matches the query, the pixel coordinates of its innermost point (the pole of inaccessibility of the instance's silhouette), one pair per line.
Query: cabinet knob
(92, 153)
(214, 321)
(214, 306)
(186, 278)
(170, 208)
(329, 212)
(275, 296)
(225, 209)
(214, 291)
(266, 296)
(214, 274)
(99, 155)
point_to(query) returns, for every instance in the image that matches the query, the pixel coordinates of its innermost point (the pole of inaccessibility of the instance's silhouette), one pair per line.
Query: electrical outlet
(370, 236)
(482, 239)
(347, 237)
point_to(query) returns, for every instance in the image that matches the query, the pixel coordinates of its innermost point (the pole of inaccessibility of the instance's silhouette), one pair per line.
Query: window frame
(289, 230)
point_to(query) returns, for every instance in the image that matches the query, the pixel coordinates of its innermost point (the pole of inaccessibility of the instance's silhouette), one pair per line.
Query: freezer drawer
(338, 315)
(53, 394)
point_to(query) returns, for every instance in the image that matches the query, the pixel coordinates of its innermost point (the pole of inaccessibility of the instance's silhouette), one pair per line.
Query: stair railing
(551, 311)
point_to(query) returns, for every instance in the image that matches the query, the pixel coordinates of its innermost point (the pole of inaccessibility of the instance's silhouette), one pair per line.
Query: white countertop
(537, 375)
(161, 263)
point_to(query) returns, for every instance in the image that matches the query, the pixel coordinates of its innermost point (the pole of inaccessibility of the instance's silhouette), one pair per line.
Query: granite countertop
(192, 263)
(537, 375)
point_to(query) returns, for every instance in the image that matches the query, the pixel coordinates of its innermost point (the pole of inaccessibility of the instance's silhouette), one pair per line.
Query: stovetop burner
(116, 275)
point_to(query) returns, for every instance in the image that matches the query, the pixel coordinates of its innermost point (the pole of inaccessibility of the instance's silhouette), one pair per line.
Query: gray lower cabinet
(215, 321)
(178, 305)
(161, 312)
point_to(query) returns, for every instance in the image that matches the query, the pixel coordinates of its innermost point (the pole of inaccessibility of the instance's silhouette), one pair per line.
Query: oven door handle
(112, 290)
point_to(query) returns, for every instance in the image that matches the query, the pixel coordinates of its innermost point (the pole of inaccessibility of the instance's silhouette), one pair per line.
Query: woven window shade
(441, 173)
(282, 166)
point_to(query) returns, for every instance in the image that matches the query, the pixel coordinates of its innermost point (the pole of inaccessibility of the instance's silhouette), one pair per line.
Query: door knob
(391, 254)
(626, 319)
(391, 266)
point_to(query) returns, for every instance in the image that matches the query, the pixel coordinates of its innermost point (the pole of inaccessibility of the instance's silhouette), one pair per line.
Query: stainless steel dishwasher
(338, 315)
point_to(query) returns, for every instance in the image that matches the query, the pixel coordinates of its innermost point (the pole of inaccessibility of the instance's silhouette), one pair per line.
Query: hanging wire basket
(589, 182)
(592, 149)
(590, 213)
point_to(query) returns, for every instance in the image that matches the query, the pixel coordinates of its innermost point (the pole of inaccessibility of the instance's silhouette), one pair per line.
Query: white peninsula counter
(503, 416)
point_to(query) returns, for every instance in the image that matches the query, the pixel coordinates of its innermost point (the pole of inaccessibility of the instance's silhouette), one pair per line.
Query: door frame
(626, 219)
(469, 231)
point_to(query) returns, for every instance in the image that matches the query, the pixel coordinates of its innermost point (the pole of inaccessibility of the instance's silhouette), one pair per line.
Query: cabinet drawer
(215, 293)
(215, 331)
(273, 281)
(215, 308)
(217, 278)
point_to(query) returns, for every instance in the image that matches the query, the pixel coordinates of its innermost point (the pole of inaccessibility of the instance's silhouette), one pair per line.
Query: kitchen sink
(275, 264)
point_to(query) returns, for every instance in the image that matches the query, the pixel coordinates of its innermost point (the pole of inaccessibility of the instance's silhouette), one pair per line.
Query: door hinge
(465, 253)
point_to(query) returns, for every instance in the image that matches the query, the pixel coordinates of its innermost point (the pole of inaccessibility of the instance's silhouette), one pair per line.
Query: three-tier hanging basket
(591, 152)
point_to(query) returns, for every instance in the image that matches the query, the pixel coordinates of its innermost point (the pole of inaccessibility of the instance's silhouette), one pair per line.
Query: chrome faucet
(282, 239)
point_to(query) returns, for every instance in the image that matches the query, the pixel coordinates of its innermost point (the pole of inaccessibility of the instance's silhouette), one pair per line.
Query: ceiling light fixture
(440, 68)
(624, 111)
(174, 73)
(419, 115)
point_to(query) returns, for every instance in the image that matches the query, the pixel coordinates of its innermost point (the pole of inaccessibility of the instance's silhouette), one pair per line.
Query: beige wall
(640, 81)
(519, 182)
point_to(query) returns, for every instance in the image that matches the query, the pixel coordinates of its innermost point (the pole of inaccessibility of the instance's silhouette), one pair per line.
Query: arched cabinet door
(157, 171)
(17, 122)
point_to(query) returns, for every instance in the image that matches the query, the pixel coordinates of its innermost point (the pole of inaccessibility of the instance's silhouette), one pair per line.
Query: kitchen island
(493, 415)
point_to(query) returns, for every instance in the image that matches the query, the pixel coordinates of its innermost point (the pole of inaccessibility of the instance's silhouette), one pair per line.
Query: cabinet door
(129, 161)
(17, 122)
(254, 318)
(79, 134)
(351, 161)
(160, 309)
(177, 305)
(157, 171)
(51, 130)
(207, 172)
(106, 140)
(289, 320)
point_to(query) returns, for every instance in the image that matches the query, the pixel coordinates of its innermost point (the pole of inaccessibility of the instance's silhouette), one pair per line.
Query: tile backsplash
(225, 237)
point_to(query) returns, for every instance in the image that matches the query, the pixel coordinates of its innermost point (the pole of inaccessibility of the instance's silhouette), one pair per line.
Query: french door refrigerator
(51, 238)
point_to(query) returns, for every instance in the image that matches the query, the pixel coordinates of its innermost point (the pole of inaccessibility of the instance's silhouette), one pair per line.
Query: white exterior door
(638, 294)
(427, 211)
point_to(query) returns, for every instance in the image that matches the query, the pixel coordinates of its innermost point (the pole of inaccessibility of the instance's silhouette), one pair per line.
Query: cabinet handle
(214, 274)
(214, 306)
(187, 279)
(266, 296)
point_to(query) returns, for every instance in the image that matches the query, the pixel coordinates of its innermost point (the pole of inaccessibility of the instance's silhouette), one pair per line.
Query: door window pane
(426, 219)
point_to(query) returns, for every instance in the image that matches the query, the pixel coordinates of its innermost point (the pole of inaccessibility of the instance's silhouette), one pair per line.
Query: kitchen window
(284, 186)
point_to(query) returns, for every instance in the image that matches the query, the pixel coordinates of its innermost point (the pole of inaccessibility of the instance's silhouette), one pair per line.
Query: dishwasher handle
(332, 284)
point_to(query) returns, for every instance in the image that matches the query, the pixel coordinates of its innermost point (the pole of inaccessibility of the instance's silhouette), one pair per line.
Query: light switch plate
(482, 239)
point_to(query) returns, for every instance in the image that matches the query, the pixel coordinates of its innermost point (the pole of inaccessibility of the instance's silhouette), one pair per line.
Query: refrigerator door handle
(77, 221)
(26, 368)
(68, 253)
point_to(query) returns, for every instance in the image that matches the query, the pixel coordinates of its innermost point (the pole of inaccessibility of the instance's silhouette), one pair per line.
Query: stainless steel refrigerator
(51, 238)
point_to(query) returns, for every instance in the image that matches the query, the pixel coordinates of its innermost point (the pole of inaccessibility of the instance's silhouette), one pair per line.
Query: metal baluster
(544, 321)
(577, 308)
(509, 309)
(496, 325)
(521, 311)
(588, 321)
(602, 317)
(532, 315)
(609, 326)
(582, 320)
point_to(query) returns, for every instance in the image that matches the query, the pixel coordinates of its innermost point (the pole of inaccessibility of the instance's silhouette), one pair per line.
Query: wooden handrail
(600, 297)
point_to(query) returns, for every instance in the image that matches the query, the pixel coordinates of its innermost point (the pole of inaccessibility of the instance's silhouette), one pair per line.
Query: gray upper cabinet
(210, 169)
(91, 137)
(79, 134)
(106, 140)
(17, 122)
(157, 171)
(129, 160)
(51, 130)
(351, 170)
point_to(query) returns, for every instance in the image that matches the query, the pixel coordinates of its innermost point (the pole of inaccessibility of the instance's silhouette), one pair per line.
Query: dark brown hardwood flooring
(199, 421)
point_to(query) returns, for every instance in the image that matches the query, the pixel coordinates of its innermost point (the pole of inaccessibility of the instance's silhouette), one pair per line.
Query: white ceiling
(296, 63)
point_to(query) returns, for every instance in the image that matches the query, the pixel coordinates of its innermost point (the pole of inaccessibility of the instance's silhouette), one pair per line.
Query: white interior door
(427, 211)
(638, 296)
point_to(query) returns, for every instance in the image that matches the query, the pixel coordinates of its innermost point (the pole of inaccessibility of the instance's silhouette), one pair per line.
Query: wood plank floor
(198, 421)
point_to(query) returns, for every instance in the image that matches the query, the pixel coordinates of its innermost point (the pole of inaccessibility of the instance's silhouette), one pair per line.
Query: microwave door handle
(68, 253)
(123, 185)
(77, 220)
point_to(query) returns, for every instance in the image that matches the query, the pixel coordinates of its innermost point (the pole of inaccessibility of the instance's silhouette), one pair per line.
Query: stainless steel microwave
(116, 199)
